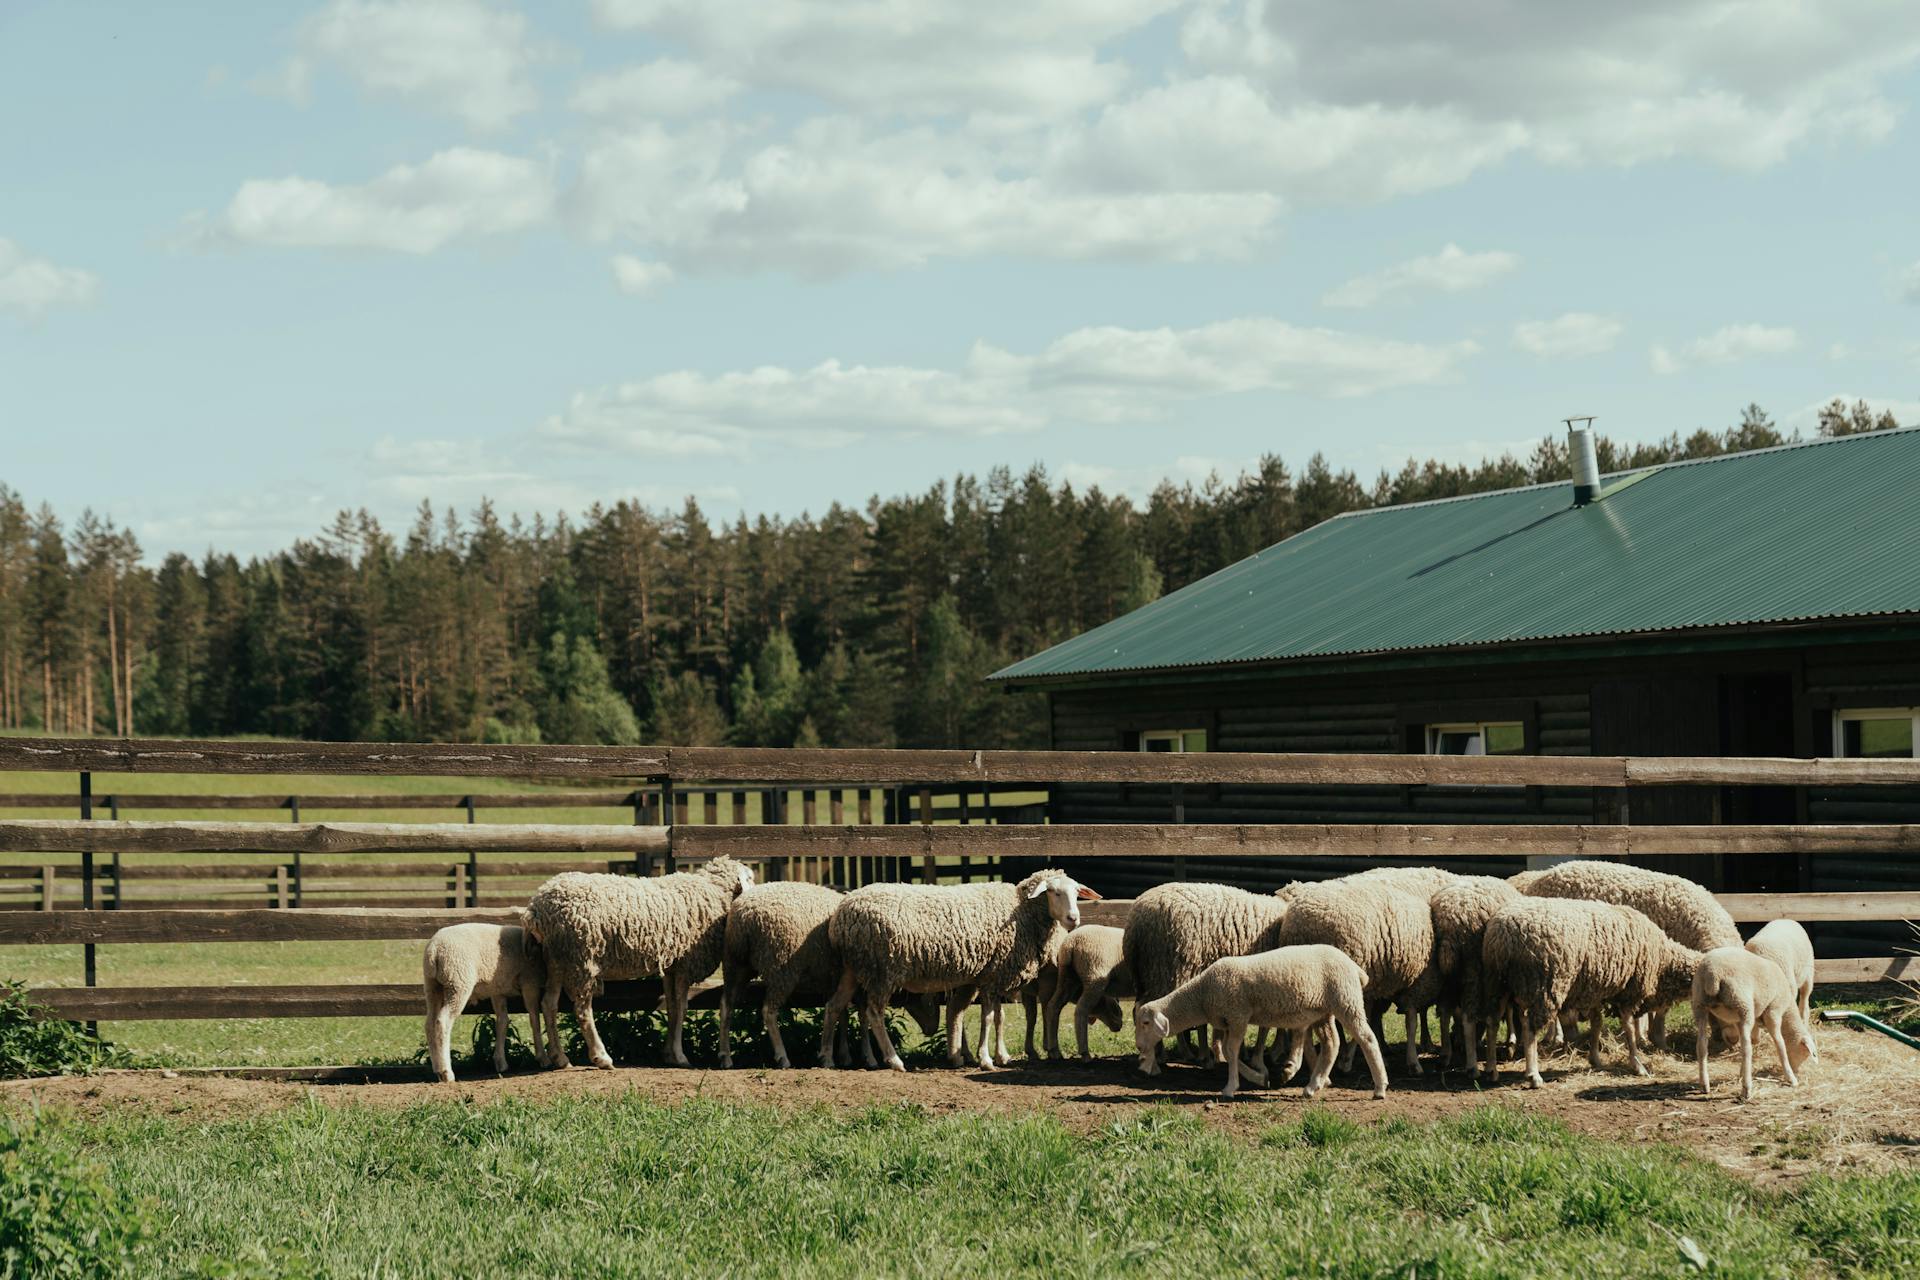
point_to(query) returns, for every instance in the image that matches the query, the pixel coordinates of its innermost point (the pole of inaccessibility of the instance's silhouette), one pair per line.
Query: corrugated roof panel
(1826, 529)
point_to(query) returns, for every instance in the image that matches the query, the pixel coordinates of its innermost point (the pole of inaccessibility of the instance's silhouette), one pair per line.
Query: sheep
(962, 939)
(1460, 915)
(1688, 912)
(1550, 954)
(1296, 988)
(1091, 971)
(490, 961)
(1387, 932)
(1786, 944)
(1176, 930)
(596, 927)
(1739, 988)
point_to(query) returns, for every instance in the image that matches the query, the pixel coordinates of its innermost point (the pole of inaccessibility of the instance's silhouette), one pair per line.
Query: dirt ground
(1857, 1108)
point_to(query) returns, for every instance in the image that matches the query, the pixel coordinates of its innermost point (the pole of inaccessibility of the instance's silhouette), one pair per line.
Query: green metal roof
(1825, 529)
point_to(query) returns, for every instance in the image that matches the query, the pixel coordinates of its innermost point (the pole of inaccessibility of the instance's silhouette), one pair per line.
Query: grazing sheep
(961, 939)
(1091, 970)
(1297, 989)
(1786, 944)
(1176, 930)
(1552, 954)
(1738, 988)
(1460, 915)
(1687, 912)
(493, 961)
(1387, 932)
(598, 927)
(1524, 880)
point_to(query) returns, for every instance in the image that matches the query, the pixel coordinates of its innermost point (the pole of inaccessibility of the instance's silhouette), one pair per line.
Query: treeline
(855, 628)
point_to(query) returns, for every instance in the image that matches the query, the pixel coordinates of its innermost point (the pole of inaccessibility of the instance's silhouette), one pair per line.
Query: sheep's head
(1799, 1037)
(1150, 1027)
(1677, 964)
(1062, 893)
(735, 877)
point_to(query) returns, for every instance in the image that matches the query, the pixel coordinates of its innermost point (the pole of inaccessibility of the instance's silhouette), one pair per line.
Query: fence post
(673, 812)
(1179, 818)
(299, 876)
(86, 883)
(113, 810)
(48, 878)
(280, 886)
(473, 864)
(929, 872)
(639, 799)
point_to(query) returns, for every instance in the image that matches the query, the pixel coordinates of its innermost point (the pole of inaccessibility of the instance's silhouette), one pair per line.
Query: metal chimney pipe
(1586, 467)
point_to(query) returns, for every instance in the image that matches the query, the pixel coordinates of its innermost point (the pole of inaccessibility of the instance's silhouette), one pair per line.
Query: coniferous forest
(851, 628)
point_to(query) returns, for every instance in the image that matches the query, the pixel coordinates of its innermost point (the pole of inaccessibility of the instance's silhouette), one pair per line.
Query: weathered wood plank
(454, 760)
(134, 801)
(1750, 908)
(58, 835)
(1292, 840)
(362, 1000)
(245, 924)
(1867, 969)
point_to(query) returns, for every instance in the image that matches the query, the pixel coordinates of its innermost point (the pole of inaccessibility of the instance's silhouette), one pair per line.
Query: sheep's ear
(1161, 1024)
(1085, 894)
(1038, 887)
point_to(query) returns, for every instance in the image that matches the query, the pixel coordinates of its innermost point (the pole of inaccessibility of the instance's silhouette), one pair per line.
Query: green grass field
(622, 1186)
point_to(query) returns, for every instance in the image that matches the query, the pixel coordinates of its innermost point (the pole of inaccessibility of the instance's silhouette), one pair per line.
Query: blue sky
(262, 262)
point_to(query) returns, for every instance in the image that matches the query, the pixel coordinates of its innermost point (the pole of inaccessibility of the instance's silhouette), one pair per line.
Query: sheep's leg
(1530, 1044)
(1056, 1001)
(1321, 1067)
(1700, 1019)
(874, 1017)
(1370, 1049)
(1780, 1047)
(770, 1018)
(958, 1001)
(1296, 1052)
(1413, 1019)
(530, 997)
(1657, 1029)
(1253, 1065)
(1000, 1032)
(1746, 1056)
(1631, 1031)
(1030, 1005)
(442, 1009)
(583, 1013)
(726, 1021)
(1469, 1028)
(1593, 1042)
(550, 1006)
(1235, 1038)
(837, 1003)
(501, 1028)
(677, 986)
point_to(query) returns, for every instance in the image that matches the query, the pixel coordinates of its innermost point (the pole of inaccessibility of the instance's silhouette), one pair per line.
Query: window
(1503, 738)
(1173, 740)
(1884, 733)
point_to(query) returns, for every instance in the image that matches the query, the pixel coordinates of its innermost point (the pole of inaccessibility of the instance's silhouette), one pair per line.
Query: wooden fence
(911, 846)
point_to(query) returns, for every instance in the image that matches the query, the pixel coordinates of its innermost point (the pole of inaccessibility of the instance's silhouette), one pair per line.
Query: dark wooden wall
(1763, 701)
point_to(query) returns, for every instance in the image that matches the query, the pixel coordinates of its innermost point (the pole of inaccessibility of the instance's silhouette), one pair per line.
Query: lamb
(1688, 912)
(962, 939)
(490, 961)
(1091, 971)
(1552, 954)
(1786, 944)
(596, 927)
(1176, 930)
(1460, 915)
(1739, 988)
(1299, 989)
(1387, 932)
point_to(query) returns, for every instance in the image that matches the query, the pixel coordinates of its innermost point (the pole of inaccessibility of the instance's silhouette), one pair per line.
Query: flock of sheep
(1310, 964)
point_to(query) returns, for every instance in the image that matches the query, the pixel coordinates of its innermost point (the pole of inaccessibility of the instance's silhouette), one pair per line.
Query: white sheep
(1176, 930)
(1786, 943)
(1387, 932)
(1687, 912)
(960, 939)
(778, 933)
(1740, 989)
(1298, 989)
(1460, 914)
(487, 961)
(1091, 971)
(598, 927)
(1553, 954)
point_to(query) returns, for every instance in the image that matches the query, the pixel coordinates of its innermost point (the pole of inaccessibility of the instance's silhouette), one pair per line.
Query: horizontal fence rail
(837, 816)
(828, 766)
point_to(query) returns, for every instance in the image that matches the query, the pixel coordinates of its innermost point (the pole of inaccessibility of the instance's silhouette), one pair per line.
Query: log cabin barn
(1756, 604)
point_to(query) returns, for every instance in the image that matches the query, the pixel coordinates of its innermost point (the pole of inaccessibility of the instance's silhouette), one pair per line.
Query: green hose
(1854, 1015)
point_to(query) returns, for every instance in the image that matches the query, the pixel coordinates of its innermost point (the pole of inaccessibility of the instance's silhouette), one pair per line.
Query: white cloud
(637, 277)
(1740, 85)
(664, 88)
(31, 286)
(1909, 283)
(467, 58)
(1010, 58)
(834, 197)
(1088, 376)
(1452, 270)
(457, 194)
(1577, 333)
(1725, 346)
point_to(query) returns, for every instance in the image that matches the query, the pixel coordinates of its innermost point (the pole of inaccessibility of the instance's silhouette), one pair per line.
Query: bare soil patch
(1857, 1108)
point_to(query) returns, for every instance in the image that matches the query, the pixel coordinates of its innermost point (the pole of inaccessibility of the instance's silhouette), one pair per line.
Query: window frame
(1178, 737)
(1843, 714)
(1430, 734)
